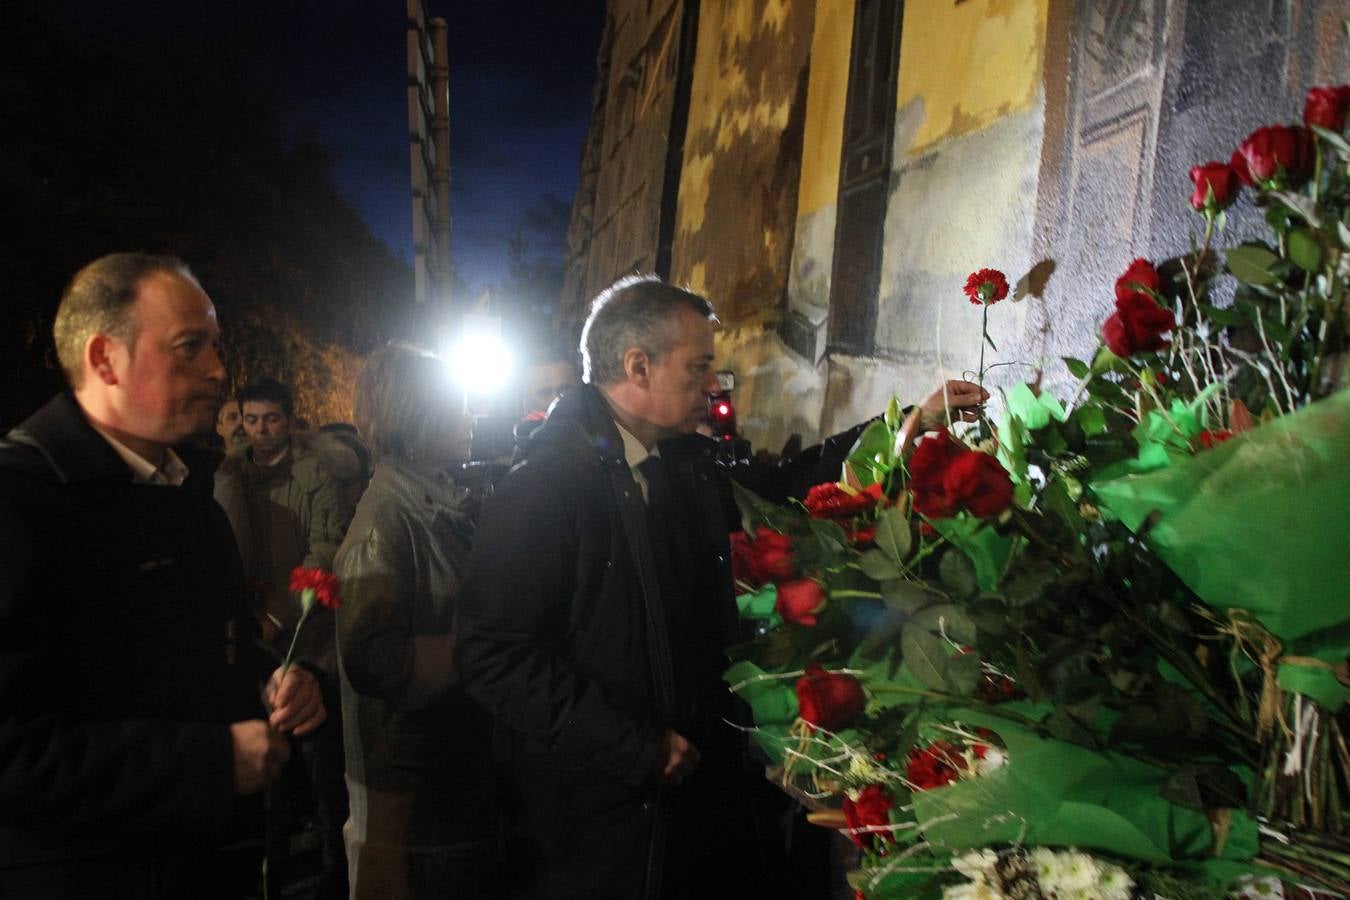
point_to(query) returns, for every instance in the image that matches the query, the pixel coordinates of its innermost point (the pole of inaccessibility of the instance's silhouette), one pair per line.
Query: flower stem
(295, 638)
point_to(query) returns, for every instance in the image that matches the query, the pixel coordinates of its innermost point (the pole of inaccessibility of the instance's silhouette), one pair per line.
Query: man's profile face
(170, 375)
(544, 383)
(267, 427)
(681, 378)
(230, 424)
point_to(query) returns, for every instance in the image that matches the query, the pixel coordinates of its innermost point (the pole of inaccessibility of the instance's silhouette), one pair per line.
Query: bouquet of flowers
(1115, 624)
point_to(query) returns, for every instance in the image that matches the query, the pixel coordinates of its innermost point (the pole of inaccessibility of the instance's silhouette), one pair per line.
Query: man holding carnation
(133, 740)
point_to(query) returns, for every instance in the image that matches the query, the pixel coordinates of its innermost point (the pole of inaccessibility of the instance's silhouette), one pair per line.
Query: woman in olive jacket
(419, 752)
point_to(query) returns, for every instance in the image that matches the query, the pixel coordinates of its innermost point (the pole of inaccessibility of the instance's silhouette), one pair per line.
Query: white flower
(1065, 873)
(975, 865)
(977, 890)
(994, 758)
(1116, 884)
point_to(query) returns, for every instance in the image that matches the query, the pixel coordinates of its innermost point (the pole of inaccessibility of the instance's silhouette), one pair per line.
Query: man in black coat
(133, 739)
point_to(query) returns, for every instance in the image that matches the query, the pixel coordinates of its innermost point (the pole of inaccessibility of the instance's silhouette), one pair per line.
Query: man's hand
(677, 758)
(962, 398)
(259, 754)
(295, 701)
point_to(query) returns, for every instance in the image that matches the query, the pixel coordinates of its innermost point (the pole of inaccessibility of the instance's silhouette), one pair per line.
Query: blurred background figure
(230, 425)
(419, 752)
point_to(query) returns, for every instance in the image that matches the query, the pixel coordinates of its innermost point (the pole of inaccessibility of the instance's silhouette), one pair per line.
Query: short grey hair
(99, 300)
(637, 311)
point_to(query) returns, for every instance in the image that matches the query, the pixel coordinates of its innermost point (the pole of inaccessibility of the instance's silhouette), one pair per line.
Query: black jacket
(124, 652)
(587, 629)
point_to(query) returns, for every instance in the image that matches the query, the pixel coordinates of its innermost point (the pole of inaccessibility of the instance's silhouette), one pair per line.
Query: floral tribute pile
(1098, 648)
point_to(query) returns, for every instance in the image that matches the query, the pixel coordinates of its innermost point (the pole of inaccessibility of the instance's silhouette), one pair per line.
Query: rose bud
(1326, 106)
(1139, 278)
(1216, 186)
(1277, 155)
(798, 601)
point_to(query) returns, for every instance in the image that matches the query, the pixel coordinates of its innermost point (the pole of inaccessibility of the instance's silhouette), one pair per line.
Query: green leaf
(908, 596)
(893, 535)
(1305, 250)
(755, 510)
(1028, 585)
(1333, 139)
(990, 341)
(963, 673)
(893, 415)
(948, 619)
(873, 453)
(1303, 206)
(882, 633)
(1090, 418)
(926, 657)
(958, 573)
(1252, 264)
(1228, 316)
(877, 565)
(1077, 368)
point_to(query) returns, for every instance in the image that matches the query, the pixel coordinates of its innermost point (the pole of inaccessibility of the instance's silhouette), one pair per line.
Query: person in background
(134, 743)
(286, 511)
(230, 425)
(419, 752)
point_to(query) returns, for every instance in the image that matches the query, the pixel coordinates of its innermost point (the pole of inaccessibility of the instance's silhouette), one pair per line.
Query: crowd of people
(525, 700)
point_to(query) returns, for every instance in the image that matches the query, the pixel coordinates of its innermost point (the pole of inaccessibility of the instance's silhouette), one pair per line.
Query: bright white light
(481, 364)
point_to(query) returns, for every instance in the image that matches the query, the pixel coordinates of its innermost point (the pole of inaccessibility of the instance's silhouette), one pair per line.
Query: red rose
(1211, 439)
(743, 569)
(986, 287)
(1137, 326)
(978, 482)
(938, 764)
(1326, 106)
(323, 584)
(872, 809)
(829, 700)
(929, 460)
(864, 535)
(1276, 154)
(1139, 278)
(799, 601)
(772, 555)
(1216, 186)
(831, 501)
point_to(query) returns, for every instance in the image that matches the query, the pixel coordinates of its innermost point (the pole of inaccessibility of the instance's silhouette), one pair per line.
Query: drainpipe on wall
(440, 128)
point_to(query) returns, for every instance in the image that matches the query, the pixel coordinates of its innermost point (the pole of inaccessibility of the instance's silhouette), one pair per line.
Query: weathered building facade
(829, 172)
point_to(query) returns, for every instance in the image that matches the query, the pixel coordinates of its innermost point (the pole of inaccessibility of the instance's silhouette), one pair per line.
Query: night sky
(521, 76)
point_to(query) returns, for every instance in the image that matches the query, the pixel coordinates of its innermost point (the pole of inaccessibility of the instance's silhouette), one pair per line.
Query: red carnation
(829, 700)
(1137, 326)
(1326, 106)
(938, 764)
(1216, 186)
(1138, 279)
(831, 501)
(979, 483)
(986, 287)
(799, 601)
(323, 584)
(1277, 155)
(872, 809)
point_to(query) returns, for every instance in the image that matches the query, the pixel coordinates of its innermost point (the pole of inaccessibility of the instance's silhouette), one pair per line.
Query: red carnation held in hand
(1139, 278)
(1279, 155)
(1326, 106)
(872, 809)
(829, 700)
(799, 601)
(1137, 326)
(986, 287)
(1216, 186)
(833, 501)
(323, 584)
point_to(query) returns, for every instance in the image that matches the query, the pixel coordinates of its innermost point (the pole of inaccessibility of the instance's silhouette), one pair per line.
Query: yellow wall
(969, 65)
(827, 91)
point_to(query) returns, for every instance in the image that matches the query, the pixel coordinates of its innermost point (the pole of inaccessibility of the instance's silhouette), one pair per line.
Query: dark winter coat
(124, 653)
(572, 634)
(419, 752)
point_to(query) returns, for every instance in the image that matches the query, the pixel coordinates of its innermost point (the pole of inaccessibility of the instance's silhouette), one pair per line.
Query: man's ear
(98, 352)
(637, 366)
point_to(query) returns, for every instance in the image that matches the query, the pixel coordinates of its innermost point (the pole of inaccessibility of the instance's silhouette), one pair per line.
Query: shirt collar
(173, 471)
(634, 453)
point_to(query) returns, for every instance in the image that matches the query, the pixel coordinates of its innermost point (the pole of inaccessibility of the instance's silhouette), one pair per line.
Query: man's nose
(214, 366)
